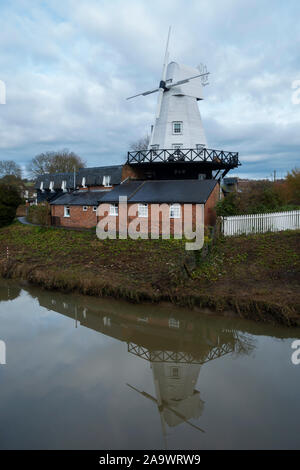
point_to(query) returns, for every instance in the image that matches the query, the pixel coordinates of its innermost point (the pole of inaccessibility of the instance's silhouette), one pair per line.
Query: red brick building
(175, 183)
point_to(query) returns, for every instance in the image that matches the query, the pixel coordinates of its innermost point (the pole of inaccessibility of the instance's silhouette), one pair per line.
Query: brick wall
(78, 217)
(88, 219)
(133, 172)
(209, 210)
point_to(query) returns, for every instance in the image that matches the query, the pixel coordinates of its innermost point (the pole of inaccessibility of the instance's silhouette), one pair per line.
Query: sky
(69, 65)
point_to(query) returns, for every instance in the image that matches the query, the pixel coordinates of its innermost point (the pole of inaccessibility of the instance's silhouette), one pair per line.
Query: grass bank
(254, 277)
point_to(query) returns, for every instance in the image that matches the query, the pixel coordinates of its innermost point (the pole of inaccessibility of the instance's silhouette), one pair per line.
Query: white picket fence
(260, 223)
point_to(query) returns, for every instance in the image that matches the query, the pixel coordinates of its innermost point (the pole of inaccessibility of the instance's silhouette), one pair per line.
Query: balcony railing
(219, 158)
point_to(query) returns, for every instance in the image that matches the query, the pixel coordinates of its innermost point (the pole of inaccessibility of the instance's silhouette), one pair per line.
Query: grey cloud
(70, 65)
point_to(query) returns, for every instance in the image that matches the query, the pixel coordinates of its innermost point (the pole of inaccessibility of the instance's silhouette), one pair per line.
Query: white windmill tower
(178, 121)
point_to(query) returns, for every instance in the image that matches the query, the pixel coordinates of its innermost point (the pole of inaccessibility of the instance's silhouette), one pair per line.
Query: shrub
(9, 201)
(229, 205)
(39, 214)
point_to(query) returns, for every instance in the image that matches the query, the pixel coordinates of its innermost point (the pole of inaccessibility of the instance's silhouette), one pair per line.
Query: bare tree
(62, 161)
(140, 144)
(9, 167)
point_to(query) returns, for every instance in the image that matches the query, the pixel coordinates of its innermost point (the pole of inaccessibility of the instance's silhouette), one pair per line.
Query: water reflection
(175, 343)
(213, 382)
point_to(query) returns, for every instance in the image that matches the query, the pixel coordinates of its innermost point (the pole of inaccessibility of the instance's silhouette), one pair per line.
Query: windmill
(178, 122)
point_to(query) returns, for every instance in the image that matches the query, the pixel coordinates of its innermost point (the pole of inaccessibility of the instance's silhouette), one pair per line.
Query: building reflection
(176, 343)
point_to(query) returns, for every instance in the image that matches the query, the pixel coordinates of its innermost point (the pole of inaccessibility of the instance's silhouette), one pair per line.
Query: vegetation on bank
(263, 196)
(253, 276)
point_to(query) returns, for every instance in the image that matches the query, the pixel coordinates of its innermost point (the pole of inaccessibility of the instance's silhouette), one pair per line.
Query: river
(88, 373)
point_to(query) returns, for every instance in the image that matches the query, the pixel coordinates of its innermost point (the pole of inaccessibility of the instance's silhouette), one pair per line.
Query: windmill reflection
(176, 343)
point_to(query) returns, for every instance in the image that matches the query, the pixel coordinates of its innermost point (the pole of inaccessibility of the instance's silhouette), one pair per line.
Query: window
(42, 186)
(175, 372)
(177, 146)
(83, 182)
(175, 211)
(94, 208)
(200, 147)
(106, 181)
(114, 209)
(64, 185)
(177, 127)
(173, 323)
(106, 321)
(66, 211)
(51, 186)
(143, 210)
(85, 208)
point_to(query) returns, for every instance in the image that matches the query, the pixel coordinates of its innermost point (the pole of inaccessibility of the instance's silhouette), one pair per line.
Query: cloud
(68, 67)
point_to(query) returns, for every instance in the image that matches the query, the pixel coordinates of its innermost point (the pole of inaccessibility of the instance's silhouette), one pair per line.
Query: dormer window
(83, 182)
(51, 186)
(106, 181)
(42, 186)
(177, 127)
(64, 185)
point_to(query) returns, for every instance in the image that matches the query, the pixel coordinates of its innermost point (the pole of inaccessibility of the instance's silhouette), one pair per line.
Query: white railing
(260, 223)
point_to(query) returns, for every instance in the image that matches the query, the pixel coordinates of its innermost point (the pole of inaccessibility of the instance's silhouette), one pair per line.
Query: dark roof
(231, 180)
(125, 189)
(79, 198)
(47, 196)
(57, 178)
(93, 177)
(169, 191)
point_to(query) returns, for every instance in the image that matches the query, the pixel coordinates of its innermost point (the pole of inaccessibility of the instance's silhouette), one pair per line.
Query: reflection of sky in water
(65, 387)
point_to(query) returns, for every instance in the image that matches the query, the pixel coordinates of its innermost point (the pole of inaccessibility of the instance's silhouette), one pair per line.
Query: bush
(263, 196)
(9, 201)
(39, 214)
(228, 205)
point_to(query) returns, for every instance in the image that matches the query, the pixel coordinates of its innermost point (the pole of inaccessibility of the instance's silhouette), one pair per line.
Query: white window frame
(83, 182)
(175, 211)
(106, 181)
(95, 208)
(174, 125)
(177, 146)
(66, 211)
(42, 186)
(114, 209)
(143, 210)
(175, 372)
(51, 186)
(174, 323)
(200, 147)
(64, 185)
(84, 208)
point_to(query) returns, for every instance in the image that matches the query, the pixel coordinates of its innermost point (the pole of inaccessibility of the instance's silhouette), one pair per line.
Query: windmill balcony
(214, 158)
